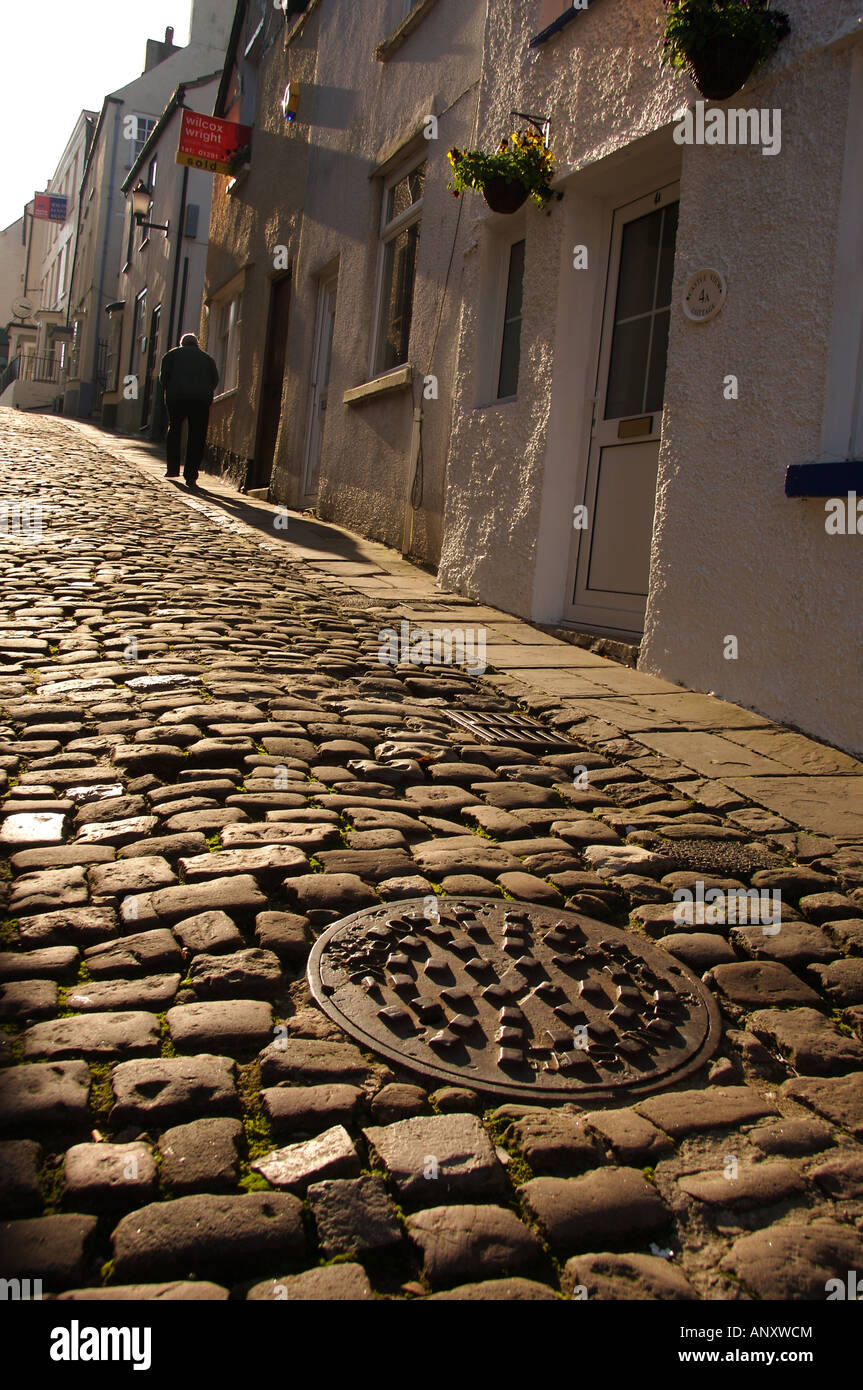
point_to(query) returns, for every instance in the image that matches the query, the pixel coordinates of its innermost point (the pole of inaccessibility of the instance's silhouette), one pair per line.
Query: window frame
(137, 144)
(228, 340)
(501, 303)
(388, 230)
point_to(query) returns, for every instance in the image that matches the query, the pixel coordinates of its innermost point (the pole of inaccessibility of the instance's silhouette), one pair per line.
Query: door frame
(148, 403)
(607, 614)
(592, 193)
(275, 281)
(325, 285)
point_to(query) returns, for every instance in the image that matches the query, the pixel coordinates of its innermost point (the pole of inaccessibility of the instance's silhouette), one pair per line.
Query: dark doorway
(272, 383)
(152, 357)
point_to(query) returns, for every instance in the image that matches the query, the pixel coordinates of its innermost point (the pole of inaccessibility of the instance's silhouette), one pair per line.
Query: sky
(59, 59)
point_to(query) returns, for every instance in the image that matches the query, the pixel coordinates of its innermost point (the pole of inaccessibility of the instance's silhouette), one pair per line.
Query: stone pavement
(205, 763)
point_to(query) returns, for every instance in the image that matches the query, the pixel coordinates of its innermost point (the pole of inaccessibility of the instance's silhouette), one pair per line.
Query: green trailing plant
(699, 34)
(693, 26)
(523, 158)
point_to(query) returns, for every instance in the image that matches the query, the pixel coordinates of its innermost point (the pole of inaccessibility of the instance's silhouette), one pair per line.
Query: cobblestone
(162, 863)
(354, 1216)
(468, 1242)
(206, 1234)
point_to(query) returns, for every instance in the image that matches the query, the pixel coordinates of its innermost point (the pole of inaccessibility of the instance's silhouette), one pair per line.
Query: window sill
(556, 25)
(498, 400)
(300, 22)
(385, 50)
(396, 380)
(226, 395)
(824, 479)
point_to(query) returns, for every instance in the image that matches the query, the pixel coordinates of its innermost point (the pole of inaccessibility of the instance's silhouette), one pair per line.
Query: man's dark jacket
(188, 374)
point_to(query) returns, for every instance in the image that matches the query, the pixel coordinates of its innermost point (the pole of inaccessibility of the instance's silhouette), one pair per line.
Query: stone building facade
(162, 278)
(125, 122)
(367, 306)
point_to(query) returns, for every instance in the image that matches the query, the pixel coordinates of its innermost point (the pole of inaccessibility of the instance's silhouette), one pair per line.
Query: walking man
(189, 378)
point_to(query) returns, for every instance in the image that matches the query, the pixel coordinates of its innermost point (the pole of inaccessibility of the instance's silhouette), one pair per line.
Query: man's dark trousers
(197, 413)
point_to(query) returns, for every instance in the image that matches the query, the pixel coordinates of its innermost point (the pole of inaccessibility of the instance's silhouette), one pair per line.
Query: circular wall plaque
(704, 295)
(514, 999)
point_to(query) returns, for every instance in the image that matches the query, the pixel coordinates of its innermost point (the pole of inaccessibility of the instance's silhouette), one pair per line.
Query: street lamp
(141, 206)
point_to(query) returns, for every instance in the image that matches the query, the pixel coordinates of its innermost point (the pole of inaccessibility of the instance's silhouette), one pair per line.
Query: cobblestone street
(205, 764)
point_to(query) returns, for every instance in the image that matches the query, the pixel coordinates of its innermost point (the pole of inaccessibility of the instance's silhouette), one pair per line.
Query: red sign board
(206, 142)
(49, 207)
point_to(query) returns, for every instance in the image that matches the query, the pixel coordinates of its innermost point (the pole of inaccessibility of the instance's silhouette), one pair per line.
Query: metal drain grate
(514, 999)
(517, 730)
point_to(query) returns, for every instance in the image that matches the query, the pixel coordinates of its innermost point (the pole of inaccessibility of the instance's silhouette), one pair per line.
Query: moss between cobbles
(650, 1173)
(166, 1043)
(101, 1098)
(83, 977)
(256, 1125)
(52, 1182)
(16, 1042)
(9, 933)
(348, 1257)
(837, 1019)
(254, 1182)
(518, 1170)
(214, 843)
(63, 1009)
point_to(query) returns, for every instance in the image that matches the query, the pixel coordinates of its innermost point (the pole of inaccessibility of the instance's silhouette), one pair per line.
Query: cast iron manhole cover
(518, 730)
(519, 1000)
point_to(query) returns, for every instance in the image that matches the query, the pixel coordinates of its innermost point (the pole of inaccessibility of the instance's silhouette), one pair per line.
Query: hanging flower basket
(521, 168)
(720, 43)
(504, 195)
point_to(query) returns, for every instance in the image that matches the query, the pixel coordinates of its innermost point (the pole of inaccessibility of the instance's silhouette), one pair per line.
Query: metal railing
(31, 367)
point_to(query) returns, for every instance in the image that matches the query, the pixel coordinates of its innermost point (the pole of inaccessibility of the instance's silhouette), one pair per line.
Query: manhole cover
(518, 730)
(519, 1000)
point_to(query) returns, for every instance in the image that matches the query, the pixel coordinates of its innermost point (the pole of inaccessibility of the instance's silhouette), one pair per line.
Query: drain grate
(514, 999)
(516, 730)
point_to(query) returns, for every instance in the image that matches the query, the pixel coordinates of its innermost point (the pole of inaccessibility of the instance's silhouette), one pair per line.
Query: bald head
(188, 340)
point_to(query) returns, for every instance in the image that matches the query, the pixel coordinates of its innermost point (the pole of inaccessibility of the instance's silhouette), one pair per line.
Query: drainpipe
(101, 294)
(181, 222)
(158, 403)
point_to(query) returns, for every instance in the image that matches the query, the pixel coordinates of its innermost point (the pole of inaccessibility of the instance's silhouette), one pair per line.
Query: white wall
(731, 555)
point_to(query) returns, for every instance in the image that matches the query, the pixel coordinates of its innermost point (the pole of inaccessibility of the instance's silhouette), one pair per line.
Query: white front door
(611, 552)
(319, 386)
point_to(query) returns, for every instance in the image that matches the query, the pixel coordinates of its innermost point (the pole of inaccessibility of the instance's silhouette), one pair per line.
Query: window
(141, 128)
(639, 344)
(227, 354)
(130, 240)
(510, 347)
(139, 313)
(400, 234)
